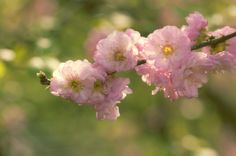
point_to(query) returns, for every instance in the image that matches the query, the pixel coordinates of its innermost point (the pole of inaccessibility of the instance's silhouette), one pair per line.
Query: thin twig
(214, 41)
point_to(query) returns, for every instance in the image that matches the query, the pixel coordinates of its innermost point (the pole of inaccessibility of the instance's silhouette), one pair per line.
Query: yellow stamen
(75, 85)
(98, 86)
(167, 50)
(119, 56)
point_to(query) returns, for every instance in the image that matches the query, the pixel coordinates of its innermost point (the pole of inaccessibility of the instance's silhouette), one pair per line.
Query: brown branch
(214, 41)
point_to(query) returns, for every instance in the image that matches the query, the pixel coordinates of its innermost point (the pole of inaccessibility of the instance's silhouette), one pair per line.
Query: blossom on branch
(86, 84)
(166, 47)
(73, 80)
(117, 52)
(168, 59)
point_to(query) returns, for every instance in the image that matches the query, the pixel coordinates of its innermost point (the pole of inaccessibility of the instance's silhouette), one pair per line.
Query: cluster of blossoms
(167, 58)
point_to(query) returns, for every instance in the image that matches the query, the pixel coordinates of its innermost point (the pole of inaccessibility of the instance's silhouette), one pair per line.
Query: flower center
(98, 86)
(75, 85)
(167, 50)
(119, 56)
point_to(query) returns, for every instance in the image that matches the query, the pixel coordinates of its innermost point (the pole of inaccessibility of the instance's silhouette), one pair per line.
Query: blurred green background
(38, 34)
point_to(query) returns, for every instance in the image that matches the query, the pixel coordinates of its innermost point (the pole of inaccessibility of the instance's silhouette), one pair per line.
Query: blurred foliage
(38, 34)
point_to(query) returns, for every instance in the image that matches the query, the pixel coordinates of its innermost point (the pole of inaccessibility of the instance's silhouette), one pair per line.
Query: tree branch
(45, 81)
(214, 41)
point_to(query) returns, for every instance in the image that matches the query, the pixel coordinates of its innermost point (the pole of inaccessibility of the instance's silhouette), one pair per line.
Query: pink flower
(116, 53)
(74, 80)
(86, 83)
(164, 50)
(166, 47)
(196, 28)
(182, 80)
(186, 77)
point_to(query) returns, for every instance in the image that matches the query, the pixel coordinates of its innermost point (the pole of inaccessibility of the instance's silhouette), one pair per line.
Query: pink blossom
(177, 72)
(196, 28)
(182, 80)
(116, 53)
(166, 47)
(86, 83)
(185, 78)
(74, 80)
(164, 50)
